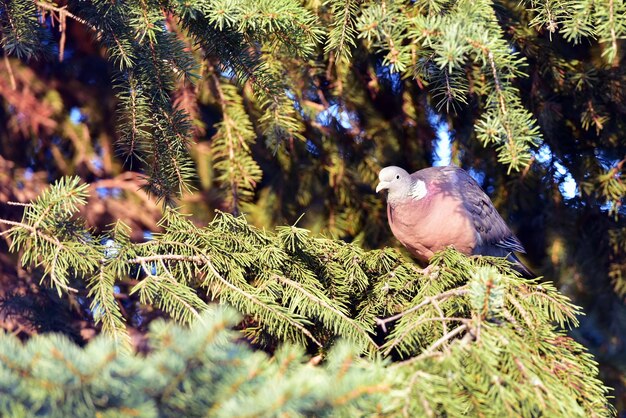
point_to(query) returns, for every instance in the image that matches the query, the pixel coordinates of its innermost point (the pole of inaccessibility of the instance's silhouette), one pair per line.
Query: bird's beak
(382, 186)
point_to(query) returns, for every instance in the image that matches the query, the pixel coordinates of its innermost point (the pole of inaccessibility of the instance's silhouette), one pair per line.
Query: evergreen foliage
(276, 108)
(231, 147)
(584, 19)
(474, 335)
(436, 43)
(195, 372)
(22, 36)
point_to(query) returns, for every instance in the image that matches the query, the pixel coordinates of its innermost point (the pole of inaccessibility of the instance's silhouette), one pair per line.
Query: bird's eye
(398, 176)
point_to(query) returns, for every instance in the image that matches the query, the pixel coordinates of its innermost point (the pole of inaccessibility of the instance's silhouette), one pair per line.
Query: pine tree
(276, 108)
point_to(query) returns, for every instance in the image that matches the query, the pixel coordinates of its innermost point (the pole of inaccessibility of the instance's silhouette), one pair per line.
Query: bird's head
(391, 177)
(400, 184)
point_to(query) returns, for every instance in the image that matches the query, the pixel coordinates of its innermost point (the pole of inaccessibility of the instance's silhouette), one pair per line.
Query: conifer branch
(435, 345)
(62, 12)
(59, 283)
(342, 33)
(181, 358)
(106, 309)
(7, 64)
(325, 304)
(613, 33)
(314, 291)
(429, 300)
(263, 306)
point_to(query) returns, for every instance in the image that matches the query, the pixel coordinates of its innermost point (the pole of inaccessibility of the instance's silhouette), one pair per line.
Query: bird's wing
(490, 226)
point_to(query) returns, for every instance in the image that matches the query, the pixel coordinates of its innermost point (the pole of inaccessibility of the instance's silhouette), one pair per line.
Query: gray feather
(495, 237)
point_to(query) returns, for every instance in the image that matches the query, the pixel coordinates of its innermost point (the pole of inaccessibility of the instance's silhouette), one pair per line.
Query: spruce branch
(20, 34)
(326, 305)
(149, 59)
(276, 311)
(61, 12)
(430, 300)
(441, 341)
(106, 309)
(467, 320)
(342, 36)
(168, 379)
(231, 147)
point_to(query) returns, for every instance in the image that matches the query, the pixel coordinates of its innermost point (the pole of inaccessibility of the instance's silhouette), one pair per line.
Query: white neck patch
(419, 190)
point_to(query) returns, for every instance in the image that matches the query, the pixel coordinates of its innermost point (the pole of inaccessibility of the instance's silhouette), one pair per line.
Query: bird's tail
(520, 267)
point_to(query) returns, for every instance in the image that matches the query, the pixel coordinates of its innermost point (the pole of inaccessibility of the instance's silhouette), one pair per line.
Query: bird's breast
(432, 224)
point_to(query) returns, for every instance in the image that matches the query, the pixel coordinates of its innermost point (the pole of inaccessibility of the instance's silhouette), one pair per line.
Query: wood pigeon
(436, 207)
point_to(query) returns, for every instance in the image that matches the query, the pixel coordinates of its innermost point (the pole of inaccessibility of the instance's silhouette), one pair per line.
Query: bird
(444, 206)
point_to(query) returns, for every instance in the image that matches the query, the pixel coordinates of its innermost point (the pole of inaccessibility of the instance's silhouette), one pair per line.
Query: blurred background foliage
(285, 111)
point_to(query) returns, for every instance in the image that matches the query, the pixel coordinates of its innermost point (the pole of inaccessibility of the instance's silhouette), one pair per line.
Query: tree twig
(7, 64)
(454, 292)
(431, 349)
